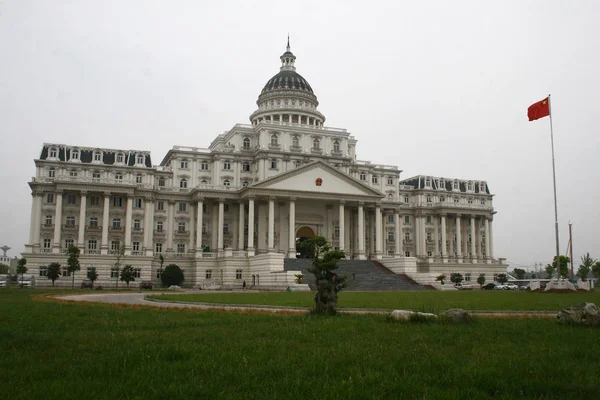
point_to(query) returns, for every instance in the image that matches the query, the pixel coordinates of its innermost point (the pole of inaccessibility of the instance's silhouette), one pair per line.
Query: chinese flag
(538, 110)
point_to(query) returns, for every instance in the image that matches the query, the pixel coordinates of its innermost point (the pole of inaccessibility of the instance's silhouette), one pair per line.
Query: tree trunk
(73, 280)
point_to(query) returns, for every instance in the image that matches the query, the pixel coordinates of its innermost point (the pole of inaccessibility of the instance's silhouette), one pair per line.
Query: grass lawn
(432, 301)
(78, 351)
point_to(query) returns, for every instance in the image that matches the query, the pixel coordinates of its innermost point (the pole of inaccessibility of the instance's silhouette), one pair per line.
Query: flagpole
(555, 203)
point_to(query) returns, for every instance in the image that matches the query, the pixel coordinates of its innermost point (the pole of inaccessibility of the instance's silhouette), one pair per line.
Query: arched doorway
(303, 234)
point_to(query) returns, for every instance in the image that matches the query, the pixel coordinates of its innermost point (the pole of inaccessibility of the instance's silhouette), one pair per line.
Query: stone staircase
(363, 275)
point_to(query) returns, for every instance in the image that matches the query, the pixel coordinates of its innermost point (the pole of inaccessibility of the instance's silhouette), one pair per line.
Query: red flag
(539, 110)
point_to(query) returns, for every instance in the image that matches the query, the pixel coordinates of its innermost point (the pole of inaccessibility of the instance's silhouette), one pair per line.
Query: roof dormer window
(470, 186)
(120, 158)
(427, 183)
(442, 184)
(97, 156)
(139, 159)
(455, 185)
(75, 154)
(246, 144)
(482, 186)
(53, 153)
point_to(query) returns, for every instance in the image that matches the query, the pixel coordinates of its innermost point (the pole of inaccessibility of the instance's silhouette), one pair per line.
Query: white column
(199, 223)
(170, 227)
(342, 214)
(105, 215)
(397, 234)
(128, 216)
(473, 240)
(57, 223)
(149, 225)
(444, 248)
(491, 238)
(361, 231)
(417, 235)
(271, 227)
(36, 218)
(378, 232)
(192, 242)
(250, 227)
(292, 229)
(82, 208)
(458, 239)
(241, 221)
(221, 221)
(487, 241)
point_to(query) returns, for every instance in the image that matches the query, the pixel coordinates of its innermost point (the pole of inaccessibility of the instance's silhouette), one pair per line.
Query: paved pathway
(140, 299)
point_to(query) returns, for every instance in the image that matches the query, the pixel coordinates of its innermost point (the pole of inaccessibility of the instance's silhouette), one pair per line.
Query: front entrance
(302, 235)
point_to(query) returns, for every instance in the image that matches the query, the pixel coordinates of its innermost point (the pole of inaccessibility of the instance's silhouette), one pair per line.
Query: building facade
(235, 210)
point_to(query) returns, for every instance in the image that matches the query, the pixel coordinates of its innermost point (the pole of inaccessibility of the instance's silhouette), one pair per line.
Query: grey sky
(437, 88)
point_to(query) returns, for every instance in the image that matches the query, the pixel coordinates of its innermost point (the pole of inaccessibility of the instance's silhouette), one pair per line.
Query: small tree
(172, 276)
(21, 268)
(161, 260)
(119, 253)
(519, 273)
(127, 274)
(596, 269)
(455, 278)
(73, 262)
(549, 270)
(502, 278)
(564, 266)
(3, 269)
(325, 263)
(481, 280)
(92, 275)
(440, 278)
(587, 263)
(54, 272)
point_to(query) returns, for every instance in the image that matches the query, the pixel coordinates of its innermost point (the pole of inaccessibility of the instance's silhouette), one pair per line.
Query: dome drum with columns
(236, 210)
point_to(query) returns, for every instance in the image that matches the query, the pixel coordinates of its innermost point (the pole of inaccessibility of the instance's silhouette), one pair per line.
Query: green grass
(79, 351)
(432, 301)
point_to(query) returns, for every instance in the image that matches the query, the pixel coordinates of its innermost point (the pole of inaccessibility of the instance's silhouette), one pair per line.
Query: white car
(510, 286)
(27, 281)
(4, 281)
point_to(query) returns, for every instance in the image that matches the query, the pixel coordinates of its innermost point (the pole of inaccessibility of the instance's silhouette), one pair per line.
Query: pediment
(318, 177)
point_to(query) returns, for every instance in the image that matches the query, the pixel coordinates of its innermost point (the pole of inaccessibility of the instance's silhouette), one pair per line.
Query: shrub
(172, 275)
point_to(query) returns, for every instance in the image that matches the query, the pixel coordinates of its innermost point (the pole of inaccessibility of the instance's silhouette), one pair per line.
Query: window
(407, 219)
(97, 156)
(117, 201)
(390, 180)
(73, 174)
(204, 166)
(390, 218)
(92, 244)
(375, 179)
(51, 172)
(246, 166)
(316, 144)
(245, 183)
(204, 227)
(273, 163)
(227, 165)
(467, 277)
(245, 144)
(94, 200)
(429, 253)
(390, 236)
(66, 272)
(455, 185)
(139, 159)
(48, 220)
(96, 176)
(50, 198)
(116, 222)
(137, 272)
(274, 140)
(181, 227)
(68, 242)
(138, 178)
(429, 237)
(115, 245)
(135, 246)
(137, 224)
(336, 231)
(208, 274)
(114, 272)
(427, 183)
(226, 207)
(159, 226)
(158, 247)
(120, 158)
(442, 184)
(296, 141)
(118, 177)
(158, 273)
(93, 222)
(470, 201)
(160, 205)
(71, 199)
(183, 183)
(429, 199)
(226, 182)
(182, 206)
(137, 203)
(407, 254)
(442, 198)
(53, 153)
(406, 199)
(456, 199)
(407, 236)
(74, 154)
(204, 182)
(336, 146)
(70, 221)
(495, 277)
(183, 164)
(225, 228)
(238, 274)
(161, 182)
(470, 186)
(482, 202)
(429, 219)
(180, 248)
(47, 243)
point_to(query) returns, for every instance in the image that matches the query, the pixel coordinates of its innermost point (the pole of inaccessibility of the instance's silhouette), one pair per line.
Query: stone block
(580, 314)
(407, 315)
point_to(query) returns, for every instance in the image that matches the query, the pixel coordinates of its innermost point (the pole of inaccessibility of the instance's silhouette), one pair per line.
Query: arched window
(274, 140)
(74, 154)
(226, 182)
(316, 144)
(245, 183)
(139, 159)
(53, 153)
(161, 182)
(184, 163)
(296, 141)
(159, 226)
(138, 178)
(336, 146)
(469, 186)
(97, 156)
(204, 182)
(246, 143)
(427, 182)
(273, 163)
(183, 183)
(120, 158)
(442, 184)
(455, 185)
(51, 172)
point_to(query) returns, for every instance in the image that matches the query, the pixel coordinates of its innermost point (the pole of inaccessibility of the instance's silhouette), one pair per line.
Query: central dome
(287, 79)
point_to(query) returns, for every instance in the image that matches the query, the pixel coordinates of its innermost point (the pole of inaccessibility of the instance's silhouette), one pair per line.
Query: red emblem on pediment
(319, 182)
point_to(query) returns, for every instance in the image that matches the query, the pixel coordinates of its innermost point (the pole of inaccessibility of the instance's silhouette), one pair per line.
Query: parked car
(488, 286)
(463, 286)
(510, 286)
(146, 285)
(87, 284)
(499, 287)
(4, 280)
(27, 281)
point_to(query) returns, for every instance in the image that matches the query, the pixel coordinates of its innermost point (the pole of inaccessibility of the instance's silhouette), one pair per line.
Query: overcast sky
(437, 88)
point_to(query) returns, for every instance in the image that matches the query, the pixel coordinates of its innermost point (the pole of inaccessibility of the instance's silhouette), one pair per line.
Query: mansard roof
(86, 155)
(418, 182)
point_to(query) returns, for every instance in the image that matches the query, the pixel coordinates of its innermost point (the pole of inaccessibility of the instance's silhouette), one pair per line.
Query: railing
(296, 149)
(93, 228)
(209, 255)
(116, 229)
(240, 253)
(91, 251)
(70, 227)
(137, 253)
(195, 149)
(87, 179)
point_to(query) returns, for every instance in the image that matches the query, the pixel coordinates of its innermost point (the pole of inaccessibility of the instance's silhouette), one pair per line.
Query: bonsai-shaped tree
(92, 275)
(440, 278)
(481, 280)
(456, 278)
(564, 267)
(502, 278)
(161, 260)
(21, 268)
(73, 262)
(54, 272)
(127, 274)
(172, 275)
(587, 263)
(325, 263)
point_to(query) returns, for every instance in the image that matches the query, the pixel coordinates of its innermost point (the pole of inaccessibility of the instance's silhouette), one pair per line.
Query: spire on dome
(288, 44)
(288, 58)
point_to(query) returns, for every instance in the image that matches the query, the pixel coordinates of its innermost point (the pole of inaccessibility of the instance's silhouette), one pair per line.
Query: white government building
(286, 176)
